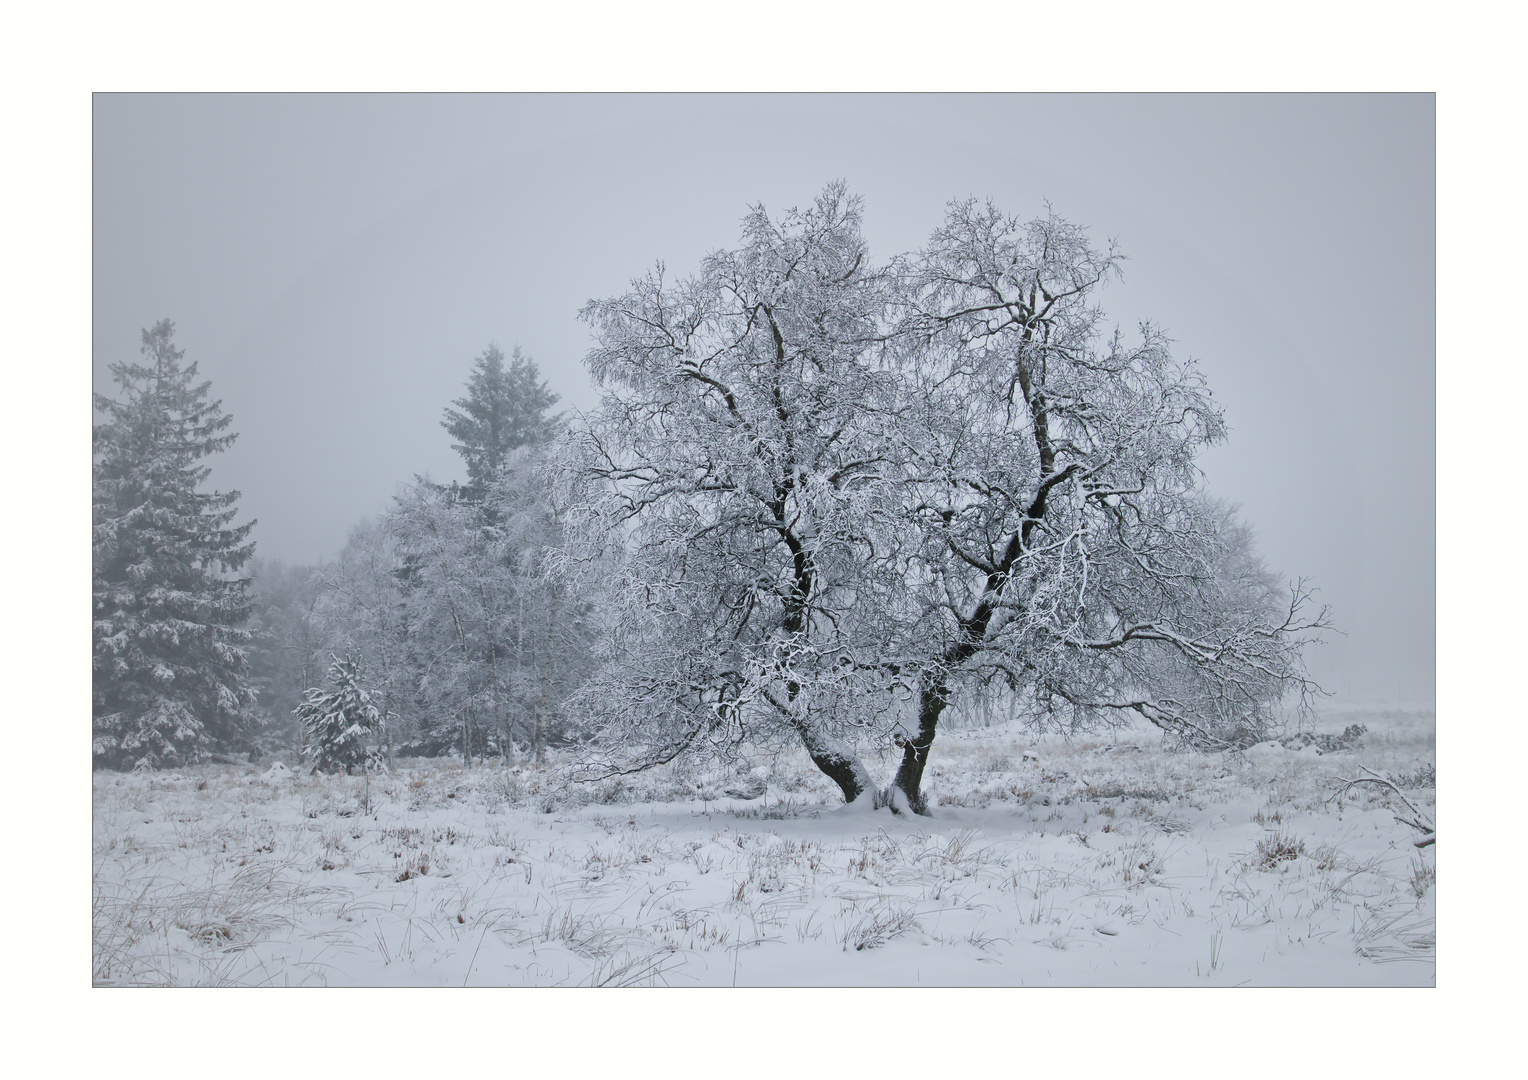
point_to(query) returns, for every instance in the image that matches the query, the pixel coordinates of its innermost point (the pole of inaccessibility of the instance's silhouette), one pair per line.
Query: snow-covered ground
(1095, 862)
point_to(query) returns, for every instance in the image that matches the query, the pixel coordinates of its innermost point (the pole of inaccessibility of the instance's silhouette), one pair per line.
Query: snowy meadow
(1105, 861)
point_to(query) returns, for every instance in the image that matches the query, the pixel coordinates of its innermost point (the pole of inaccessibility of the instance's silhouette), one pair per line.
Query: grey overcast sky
(334, 263)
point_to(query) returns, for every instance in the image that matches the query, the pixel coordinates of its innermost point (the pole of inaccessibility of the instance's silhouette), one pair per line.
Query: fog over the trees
(334, 264)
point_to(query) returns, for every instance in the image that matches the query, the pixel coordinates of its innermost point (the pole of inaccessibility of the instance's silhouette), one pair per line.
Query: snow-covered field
(1097, 862)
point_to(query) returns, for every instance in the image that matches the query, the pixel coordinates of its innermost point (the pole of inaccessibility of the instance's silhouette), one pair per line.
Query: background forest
(437, 610)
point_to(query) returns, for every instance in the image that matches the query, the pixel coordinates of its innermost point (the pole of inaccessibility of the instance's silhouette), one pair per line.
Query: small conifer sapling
(337, 723)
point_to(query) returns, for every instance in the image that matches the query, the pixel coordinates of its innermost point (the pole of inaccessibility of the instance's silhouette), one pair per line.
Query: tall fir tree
(505, 408)
(169, 666)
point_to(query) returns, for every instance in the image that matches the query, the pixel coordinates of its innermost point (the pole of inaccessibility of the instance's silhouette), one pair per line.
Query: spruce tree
(169, 665)
(338, 723)
(504, 409)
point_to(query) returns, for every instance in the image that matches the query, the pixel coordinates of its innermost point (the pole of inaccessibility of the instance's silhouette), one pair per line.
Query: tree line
(821, 499)
(436, 616)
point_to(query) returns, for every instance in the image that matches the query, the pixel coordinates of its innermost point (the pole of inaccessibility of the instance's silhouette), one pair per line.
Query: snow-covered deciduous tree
(543, 639)
(498, 643)
(169, 667)
(740, 458)
(505, 408)
(452, 586)
(1066, 544)
(841, 494)
(338, 722)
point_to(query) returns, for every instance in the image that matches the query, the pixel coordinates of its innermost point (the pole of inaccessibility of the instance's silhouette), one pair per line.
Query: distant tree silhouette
(505, 408)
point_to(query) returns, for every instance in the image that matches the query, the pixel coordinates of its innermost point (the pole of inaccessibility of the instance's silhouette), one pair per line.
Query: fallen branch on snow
(1416, 821)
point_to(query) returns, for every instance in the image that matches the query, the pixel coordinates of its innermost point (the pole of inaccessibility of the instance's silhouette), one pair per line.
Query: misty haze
(763, 540)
